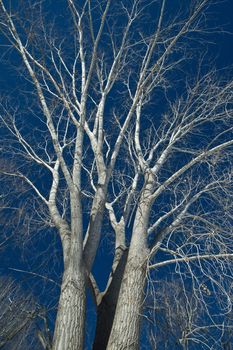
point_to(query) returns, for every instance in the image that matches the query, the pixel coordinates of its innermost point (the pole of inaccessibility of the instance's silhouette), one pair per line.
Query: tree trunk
(126, 326)
(69, 329)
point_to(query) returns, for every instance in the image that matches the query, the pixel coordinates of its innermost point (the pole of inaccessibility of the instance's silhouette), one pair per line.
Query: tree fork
(107, 307)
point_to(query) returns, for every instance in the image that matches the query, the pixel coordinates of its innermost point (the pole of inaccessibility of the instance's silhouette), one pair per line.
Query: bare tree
(174, 311)
(18, 318)
(114, 131)
(177, 318)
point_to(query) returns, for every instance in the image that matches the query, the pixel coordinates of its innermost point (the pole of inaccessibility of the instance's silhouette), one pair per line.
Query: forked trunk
(69, 330)
(125, 331)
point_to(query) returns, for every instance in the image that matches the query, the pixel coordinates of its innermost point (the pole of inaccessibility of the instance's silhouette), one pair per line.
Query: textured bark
(69, 330)
(106, 309)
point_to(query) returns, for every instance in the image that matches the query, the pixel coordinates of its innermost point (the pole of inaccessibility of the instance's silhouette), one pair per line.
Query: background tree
(177, 318)
(22, 320)
(119, 126)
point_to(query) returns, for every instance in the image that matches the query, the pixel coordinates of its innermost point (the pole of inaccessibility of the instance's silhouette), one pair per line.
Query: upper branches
(109, 91)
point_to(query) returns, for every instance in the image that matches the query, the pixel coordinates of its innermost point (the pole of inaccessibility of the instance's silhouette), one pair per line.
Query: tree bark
(69, 329)
(70, 321)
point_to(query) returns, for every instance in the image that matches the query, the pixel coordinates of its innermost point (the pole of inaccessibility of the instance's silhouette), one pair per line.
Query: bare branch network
(120, 132)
